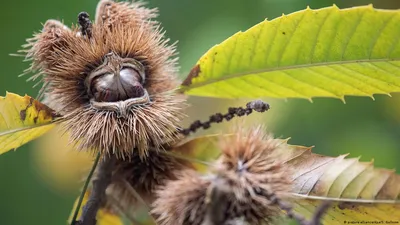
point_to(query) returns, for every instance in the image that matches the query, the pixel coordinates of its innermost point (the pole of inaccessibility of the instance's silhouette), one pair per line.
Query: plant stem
(85, 186)
(98, 193)
(319, 212)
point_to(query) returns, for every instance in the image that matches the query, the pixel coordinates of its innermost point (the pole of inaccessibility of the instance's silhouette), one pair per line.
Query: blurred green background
(36, 182)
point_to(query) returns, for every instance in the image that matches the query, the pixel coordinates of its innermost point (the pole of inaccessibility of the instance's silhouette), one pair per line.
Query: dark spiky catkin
(64, 57)
(239, 188)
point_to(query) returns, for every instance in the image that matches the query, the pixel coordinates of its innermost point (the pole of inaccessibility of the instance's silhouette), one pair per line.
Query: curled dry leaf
(358, 190)
(22, 119)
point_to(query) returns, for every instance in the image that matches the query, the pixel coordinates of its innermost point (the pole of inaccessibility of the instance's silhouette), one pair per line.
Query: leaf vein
(290, 39)
(231, 55)
(386, 71)
(250, 82)
(339, 81)
(314, 85)
(257, 40)
(394, 44)
(286, 87)
(379, 33)
(312, 52)
(374, 78)
(353, 31)
(268, 53)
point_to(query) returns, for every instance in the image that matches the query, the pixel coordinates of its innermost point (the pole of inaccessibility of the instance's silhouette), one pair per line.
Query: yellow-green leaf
(22, 119)
(358, 190)
(329, 52)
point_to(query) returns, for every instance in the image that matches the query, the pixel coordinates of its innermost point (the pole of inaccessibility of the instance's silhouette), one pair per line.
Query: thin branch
(85, 186)
(217, 201)
(315, 220)
(121, 209)
(319, 212)
(100, 184)
(289, 209)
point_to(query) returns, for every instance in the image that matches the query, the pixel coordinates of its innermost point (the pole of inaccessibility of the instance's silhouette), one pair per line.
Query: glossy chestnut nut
(111, 87)
(113, 83)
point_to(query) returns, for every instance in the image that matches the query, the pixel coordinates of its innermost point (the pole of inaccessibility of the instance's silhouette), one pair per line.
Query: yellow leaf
(329, 52)
(342, 212)
(22, 119)
(358, 190)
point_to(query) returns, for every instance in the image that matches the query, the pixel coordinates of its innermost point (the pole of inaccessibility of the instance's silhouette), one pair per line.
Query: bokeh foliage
(361, 126)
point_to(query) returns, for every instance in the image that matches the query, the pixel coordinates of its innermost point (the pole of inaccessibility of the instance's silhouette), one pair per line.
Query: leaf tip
(344, 155)
(310, 148)
(10, 95)
(285, 141)
(342, 99)
(372, 161)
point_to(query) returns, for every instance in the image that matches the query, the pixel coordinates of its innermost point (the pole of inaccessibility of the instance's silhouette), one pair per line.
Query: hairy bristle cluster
(63, 59)
(143, 176)
(182, 201)
(244, 185)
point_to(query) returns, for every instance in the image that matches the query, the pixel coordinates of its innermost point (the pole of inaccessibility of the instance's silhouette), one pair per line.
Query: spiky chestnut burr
(239, 188)
(112, 80)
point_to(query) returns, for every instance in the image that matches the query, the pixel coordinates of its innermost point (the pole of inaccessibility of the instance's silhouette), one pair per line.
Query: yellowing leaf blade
(311, 53)
(358, 190)
(342, 212)
(22, 119)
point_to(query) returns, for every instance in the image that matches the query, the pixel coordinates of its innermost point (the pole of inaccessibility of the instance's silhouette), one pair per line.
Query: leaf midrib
(376, 201)
(273, 69)
(7, 132)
